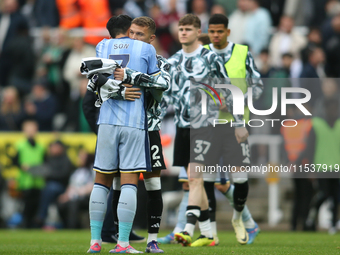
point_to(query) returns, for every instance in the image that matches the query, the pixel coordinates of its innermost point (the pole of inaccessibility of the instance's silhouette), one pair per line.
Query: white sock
(152, 237)
(213, 227)
(96, 241)
(190, 228)
(249, 223)
(205, 228)
(237, 215)
(177, 230)
(123, 244)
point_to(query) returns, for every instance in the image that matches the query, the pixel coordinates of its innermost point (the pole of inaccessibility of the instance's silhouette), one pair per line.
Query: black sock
(192, 218)
(204, 215)
(240, 195)
(115, 199)
(210, 190)
(155, 208)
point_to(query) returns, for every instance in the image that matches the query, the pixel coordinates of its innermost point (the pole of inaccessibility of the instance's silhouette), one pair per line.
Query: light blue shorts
(123, 149)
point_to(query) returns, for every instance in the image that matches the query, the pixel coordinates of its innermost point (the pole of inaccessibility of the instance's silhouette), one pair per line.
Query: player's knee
(104, 179)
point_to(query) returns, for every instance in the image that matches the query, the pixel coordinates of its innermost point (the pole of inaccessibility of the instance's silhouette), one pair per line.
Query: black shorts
(201, 145)
(225, 146)
(156, 151)
(182, 147)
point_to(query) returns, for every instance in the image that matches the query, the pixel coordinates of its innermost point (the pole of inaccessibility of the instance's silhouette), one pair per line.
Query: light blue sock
(182, 218)
(97, 208)
(126, 212)
(246, 215)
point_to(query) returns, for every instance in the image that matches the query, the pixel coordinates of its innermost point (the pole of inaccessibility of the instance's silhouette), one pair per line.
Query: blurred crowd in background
(41, 47)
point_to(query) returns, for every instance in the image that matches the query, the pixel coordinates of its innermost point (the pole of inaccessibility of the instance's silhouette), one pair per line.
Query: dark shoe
(134, 238)
(110, 238)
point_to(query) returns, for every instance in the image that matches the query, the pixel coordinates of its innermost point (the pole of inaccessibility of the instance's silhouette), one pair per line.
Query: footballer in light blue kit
(122, 141)
(141, 57)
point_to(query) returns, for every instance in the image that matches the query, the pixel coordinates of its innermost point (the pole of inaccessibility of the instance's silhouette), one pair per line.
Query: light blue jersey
(138, 56)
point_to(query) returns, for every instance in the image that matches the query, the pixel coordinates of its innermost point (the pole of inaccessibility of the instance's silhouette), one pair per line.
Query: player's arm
(156, 83)
(253, 79)
(168, 98)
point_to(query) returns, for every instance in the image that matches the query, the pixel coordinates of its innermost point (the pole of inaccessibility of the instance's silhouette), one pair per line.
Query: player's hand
(131, 93)
(119, 74)
(224, 108)
(241, 134)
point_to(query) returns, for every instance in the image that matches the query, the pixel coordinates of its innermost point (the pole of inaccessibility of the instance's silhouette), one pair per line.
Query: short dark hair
(218, 18)
(190, 19)
(145, 22)
(118, 25)
(204, 38)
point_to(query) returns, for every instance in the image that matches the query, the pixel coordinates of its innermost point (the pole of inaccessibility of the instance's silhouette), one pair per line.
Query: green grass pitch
(77, 242)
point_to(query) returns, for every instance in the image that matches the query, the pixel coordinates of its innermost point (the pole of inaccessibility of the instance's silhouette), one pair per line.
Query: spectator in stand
(30, 154)
(258, 27)
(10, 20)
(51, 63)
(75, 116)
(46, 13)
(11, 111)
(238, 21)
(21, 60)
(71, 71)
(313, 68)
(275, 8)
(58, 168)
(228, 6)
(300, 10)
(163, 22)
(200, 9)
(332, 48)
(41, 106)
(285, 40)
(217, 9)
(77, 194)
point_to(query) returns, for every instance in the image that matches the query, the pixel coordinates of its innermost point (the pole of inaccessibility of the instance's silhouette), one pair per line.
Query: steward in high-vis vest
(86, 14)
(230, 141)
(323, 154)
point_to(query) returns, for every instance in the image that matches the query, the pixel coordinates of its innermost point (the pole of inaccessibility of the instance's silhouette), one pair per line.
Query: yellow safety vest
(236, 69)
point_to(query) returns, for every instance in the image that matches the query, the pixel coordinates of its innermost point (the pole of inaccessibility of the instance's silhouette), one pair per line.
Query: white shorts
(123, 149)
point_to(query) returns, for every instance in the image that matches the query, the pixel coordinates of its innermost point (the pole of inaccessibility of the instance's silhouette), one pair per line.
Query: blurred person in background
(313, 68)
(331, 42)
(71, 72)
(228, 6)
(217, 9)
(76, 120)
(323, 147)
(57, 170)
(51, 62)
(285, 40)
(200, 9)
(163, 22)
(21, 59)
(238, 20)
(10, 20)
(30, 153)
(41, 105)
(11, 110)
(258, 27)
(77, 194)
